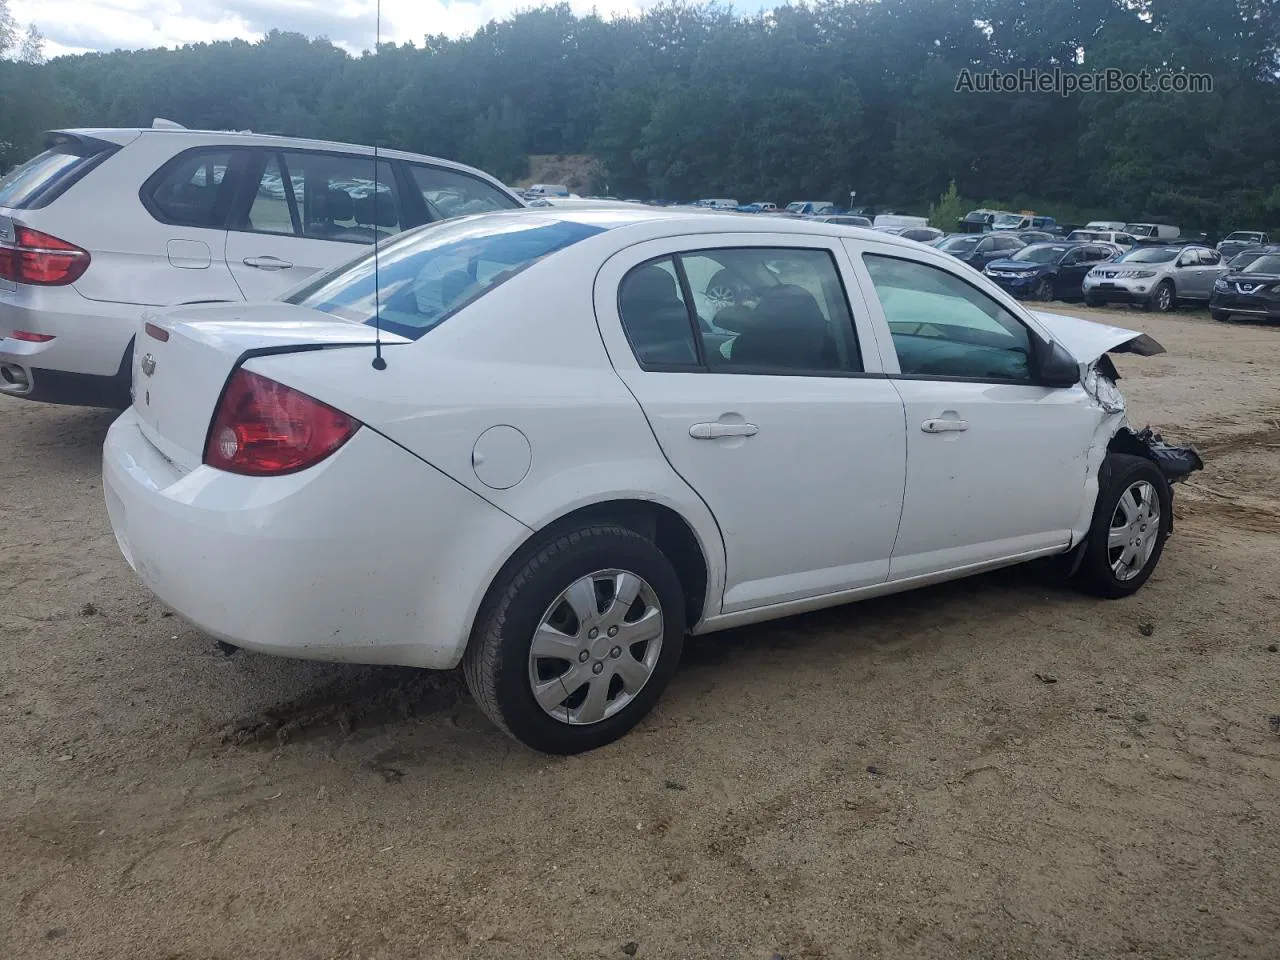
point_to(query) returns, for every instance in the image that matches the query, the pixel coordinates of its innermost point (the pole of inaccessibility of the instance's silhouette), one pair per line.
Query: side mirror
(1055, 367)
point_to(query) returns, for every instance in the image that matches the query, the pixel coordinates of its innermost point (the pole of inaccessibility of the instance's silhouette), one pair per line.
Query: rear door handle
(267, 263)
(944, 426)
(715, 430)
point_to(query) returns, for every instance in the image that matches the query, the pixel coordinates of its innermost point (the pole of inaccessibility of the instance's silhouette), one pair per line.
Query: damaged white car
(549, 444)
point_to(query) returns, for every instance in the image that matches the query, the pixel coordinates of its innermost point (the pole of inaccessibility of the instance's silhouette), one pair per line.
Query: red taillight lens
(29, 337)
(38, 258)
(263, 428)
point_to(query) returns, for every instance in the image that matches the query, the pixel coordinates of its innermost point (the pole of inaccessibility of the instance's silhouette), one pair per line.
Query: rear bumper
(87, 361)
(372, 556)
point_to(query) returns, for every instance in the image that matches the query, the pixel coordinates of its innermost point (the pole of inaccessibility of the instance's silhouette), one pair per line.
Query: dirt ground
(994, 768)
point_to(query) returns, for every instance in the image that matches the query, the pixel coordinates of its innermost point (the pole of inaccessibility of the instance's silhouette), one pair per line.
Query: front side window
(943, 327)
(426, 276)
(1210, 258)
(192, 190)
(755, 310)
(335, 197)
(448, 193)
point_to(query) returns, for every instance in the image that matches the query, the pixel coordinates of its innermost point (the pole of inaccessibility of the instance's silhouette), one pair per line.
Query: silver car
(1158, 277)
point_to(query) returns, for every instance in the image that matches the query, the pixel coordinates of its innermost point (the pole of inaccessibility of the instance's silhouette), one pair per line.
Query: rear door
(1211, 268)
(995, 461)
(767, 400)
(306, 211)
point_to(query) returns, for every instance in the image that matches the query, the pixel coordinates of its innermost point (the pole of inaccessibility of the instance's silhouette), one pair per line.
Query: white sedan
(587, 433)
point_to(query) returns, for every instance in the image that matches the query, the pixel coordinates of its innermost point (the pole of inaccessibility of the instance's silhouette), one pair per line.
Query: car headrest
(376, 209)
(336, 205)
(651, 284)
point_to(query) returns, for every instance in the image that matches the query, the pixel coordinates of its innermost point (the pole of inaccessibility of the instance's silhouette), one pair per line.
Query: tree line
(807, 101)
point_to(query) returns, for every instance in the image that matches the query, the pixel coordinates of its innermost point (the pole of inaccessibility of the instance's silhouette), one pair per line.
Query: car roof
(125, 135)
(697, 219)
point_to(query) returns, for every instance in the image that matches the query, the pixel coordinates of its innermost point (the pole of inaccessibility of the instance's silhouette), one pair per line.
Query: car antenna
(379, 363)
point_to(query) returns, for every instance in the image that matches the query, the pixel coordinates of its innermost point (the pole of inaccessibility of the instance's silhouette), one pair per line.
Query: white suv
(106, 226)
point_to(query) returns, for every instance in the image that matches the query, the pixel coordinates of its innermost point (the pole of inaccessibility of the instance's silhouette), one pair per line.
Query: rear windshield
(42, 178)
(425, 276)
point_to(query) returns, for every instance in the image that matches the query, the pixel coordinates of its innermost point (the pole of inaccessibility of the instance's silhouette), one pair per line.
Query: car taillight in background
(263, 428)
(38, 258)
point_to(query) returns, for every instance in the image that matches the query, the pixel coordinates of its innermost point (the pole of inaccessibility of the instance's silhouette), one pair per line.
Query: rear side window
(425, 277)
(448, 193)
(191, 190)
(46, 176)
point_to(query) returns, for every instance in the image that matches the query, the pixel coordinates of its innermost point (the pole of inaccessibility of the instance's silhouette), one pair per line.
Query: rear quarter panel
(526, 355)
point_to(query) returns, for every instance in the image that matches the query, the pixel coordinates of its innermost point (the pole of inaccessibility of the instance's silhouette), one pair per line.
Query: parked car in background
(1240, 240)
(1157, 277)
(1250, 254)
(1116, 237)
(805, 208)
(106, 226)
(1036, 236)
(1148, 232)
(285, 495)
(920, 234)
(1048, 271)
(978, 250)
(843, 219)
(980, 220)
(722, 203)
(1112, 225)
(759, 206)
(1008, 222)
(1251, 291)
(539, 190)
(900, 221)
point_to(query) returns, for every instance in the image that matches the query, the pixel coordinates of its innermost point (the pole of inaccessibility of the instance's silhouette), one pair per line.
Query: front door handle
(716, 430)
(267, 263)
(944, 426)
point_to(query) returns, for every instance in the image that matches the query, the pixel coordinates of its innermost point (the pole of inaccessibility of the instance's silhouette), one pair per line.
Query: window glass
(269, 212)
(775, 309)
(655, 315)
(339, 197)
(193, 190)
(451, 194)
(1210, 258)
(943, 327)
(42, 178)
(426, 276)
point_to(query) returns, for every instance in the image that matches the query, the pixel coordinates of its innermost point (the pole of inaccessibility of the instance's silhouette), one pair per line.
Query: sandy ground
(885, 780)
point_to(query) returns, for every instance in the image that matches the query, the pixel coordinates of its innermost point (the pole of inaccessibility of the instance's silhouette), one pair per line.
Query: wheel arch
(694, 561)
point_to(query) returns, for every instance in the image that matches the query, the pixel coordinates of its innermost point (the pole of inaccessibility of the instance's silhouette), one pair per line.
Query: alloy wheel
(1135, 528)
(596, 647)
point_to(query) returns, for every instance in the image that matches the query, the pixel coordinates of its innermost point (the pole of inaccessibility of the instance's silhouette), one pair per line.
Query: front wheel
(1092, 301)
(574, 646)
(1044, 290)
(1131, 521)
(1222, 316)
(1162, 298)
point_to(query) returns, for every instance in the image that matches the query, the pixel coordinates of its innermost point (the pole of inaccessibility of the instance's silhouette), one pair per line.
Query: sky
(77, 26)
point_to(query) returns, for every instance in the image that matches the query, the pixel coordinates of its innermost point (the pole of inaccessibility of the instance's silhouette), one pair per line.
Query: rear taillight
(263, 428)
(38, 258)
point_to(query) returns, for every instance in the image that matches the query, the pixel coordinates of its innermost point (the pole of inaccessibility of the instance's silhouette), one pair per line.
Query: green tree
(948, 210)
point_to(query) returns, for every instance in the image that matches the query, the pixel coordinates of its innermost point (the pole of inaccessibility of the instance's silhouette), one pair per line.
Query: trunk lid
(1087, 341)
(182, 359)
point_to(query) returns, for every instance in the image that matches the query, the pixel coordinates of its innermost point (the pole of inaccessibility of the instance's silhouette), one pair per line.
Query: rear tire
(1091, 301)
(541, 596)
(1222, 316)
(1131, 522)
(1044, 290)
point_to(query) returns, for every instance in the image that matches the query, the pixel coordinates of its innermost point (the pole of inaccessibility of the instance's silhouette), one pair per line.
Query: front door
(766, 399)
(995, 462)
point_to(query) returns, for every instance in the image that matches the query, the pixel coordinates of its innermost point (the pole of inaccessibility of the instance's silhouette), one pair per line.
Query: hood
(1008, 264)
(1087, 341)
(1239, 276)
